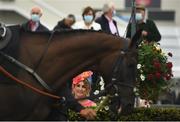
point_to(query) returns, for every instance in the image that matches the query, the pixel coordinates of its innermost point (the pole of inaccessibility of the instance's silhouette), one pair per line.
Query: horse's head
(124, 77)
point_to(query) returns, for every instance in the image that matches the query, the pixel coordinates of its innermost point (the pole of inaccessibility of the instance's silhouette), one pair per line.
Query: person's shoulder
(25, 23)
(150, 21)
(60, 22)
(43, 27)
(102, 17)
(78, 25)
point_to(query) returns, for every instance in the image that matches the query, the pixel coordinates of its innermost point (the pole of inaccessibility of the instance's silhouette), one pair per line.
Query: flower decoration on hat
(82, 77)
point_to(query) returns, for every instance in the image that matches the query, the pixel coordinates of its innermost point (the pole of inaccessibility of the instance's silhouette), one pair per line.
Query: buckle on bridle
(2, 31)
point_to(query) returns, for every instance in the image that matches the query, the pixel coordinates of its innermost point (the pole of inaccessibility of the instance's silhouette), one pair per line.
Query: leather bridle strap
(44, 52)
(6, 73)
(28, 69)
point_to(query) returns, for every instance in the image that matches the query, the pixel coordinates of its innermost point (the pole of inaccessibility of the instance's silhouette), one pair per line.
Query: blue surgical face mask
(88, 18)
(35, 17)
(139, 16)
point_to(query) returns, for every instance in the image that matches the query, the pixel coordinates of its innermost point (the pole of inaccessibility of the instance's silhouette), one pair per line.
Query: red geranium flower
(168, 77)
(158, 75)
(150, 76)
(157, 65)
(169, 65)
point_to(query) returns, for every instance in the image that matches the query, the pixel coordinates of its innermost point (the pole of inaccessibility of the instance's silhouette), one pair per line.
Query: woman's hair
(87, 86)
(87, 10)
(83, 77)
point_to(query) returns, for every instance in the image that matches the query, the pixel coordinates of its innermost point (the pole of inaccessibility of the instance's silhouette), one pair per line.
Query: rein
(28, 85)
(28, 69)
(44, 52)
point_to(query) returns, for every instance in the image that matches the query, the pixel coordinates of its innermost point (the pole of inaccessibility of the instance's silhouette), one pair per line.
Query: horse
(57, 57)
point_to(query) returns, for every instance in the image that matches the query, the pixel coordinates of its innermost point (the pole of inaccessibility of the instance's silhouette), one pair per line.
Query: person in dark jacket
(149, 30)
(34, 23)
(108, 24)
(60, 110)
(66, 23)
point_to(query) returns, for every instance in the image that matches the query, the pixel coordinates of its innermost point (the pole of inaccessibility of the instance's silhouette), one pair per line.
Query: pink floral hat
(82, 77)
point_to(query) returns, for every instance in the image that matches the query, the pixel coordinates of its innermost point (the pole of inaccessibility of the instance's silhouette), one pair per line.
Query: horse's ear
(136, 40)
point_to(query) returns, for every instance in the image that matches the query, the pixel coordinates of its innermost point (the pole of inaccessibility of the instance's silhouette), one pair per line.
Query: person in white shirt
(88, 22)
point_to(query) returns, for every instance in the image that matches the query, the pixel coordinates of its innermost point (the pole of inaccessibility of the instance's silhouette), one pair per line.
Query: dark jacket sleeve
(153, 32)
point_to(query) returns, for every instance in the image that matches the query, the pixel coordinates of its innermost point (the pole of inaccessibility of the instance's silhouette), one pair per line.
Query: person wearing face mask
(66, 23)
(149, 30)
(108, 24)
(88, 20)
(34, 23)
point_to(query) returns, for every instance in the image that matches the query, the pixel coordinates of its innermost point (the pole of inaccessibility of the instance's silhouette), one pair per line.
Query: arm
(153, 32)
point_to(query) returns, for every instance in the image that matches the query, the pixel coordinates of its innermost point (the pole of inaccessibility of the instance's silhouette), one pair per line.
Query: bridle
(5, 72)
(26, 68)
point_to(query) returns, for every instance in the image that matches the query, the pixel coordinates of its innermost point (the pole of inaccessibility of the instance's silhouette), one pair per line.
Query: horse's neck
(68, 55)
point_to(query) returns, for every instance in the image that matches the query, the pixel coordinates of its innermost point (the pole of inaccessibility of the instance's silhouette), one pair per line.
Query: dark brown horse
(57, 61)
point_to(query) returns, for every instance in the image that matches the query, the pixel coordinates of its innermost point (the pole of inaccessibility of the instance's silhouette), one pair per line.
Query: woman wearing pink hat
(81, 88)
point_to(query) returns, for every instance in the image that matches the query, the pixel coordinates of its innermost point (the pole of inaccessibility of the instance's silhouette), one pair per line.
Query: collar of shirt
(112, 26)
(91, 26)
(34, 25)
(108, 18)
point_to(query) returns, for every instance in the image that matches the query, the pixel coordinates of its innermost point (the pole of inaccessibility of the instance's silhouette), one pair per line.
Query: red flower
(82, 77)
(158, 75)
(150, 76)
(170, 54)
(168, 77)
(77, 79)
(169, 65)
(157, 64)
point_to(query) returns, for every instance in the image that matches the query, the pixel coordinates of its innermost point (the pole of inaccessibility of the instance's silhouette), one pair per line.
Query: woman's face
(88, 17)
(80, 90)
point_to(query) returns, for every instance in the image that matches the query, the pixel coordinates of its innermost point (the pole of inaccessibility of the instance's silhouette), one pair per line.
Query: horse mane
(68, 31)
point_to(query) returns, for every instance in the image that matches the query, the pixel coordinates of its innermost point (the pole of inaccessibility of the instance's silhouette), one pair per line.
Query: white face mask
(139, 16)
